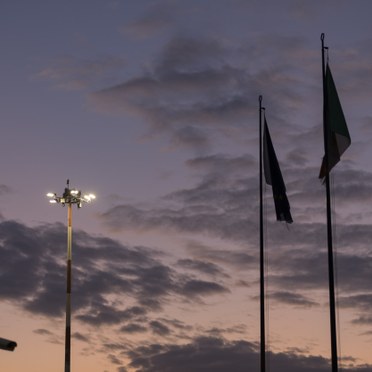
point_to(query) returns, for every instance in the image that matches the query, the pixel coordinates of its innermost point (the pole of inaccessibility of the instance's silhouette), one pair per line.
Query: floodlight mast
(69, 197)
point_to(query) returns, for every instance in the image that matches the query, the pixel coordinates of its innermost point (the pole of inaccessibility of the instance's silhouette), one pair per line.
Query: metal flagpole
(262, 271)
(332, 307)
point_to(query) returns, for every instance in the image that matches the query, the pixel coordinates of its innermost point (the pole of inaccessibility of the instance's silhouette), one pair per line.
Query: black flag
(273, 177)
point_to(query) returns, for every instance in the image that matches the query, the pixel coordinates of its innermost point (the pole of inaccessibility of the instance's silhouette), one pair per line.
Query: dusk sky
(153, 106)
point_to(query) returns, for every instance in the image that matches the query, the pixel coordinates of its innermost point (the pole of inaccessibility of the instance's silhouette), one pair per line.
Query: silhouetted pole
(332, 307)
(69, 197)
(262, 268)
(68, 290)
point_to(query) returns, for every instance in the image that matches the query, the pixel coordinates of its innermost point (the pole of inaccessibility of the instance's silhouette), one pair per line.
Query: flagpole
(262, 271)
(332, 307)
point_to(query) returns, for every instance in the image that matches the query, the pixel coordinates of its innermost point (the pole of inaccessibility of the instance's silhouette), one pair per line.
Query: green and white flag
(335, 123)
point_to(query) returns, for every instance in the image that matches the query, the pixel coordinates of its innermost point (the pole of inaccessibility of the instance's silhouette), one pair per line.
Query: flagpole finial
(322, 39)
(260, 100)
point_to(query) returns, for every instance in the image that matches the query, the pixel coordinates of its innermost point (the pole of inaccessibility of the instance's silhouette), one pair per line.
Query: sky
(153, 106)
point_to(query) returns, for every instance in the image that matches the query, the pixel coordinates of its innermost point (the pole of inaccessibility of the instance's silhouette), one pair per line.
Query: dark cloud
(356, 189)
(114, 360)
(218, 205)
(159, 328)
(33, 273)
(201, 219)
(81, 337)
(220, 332)
(158, 99)
(224, 203)
(199, 88)
(155, 281)
(222, 164)
(203, 354)
(308, 270)
(237, 260)
(189, 136)
(221, 206)
(177, 324)
(218, 355)
(4, 189)
(42, 331)
(364, 321)
(133, 328)
(53, 338)
(292, 298)
(48, 299)
(362, 301)
(199, 287)
(23, 256)
(201, 266)
(100, 313)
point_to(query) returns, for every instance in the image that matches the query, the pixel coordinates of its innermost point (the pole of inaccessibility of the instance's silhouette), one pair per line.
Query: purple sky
(153, 106)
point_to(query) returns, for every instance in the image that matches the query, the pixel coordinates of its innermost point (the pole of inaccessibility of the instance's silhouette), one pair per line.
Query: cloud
(133, 328)
(114, 359)
(41, 331)
(32, 276)
(222, 164)
(80, 337)
(362, 301)
(21, 256)
(363, 320)
(4, 189)
(159, 328)
(103, 314)
(219, 355)
(236, 260)
(291, 298)
(200, 287)
(223, 205)
(51, 337)
(198, 219)
(200, 266)
(217, 205)
(200, 88)
(203, 354)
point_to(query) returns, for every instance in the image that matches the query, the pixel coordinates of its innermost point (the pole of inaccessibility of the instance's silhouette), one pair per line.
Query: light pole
(69, 197)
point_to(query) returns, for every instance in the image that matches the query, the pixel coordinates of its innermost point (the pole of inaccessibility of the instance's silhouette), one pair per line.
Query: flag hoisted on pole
(268, 163)
(336, 141)
(274, 177)
(338, 136)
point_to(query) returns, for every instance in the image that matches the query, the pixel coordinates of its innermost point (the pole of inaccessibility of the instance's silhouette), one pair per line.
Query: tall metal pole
(69, 197)
(262, 271)
(68, 292)
(332, 306)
